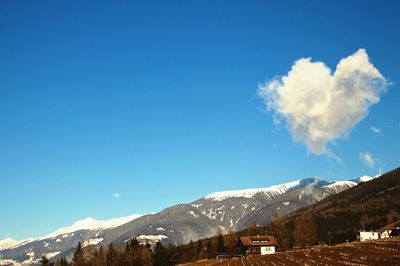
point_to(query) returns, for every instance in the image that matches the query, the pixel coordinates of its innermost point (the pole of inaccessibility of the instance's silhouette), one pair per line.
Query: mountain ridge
(224, 210)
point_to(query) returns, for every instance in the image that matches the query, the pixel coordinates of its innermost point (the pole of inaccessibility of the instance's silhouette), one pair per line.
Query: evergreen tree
(252, 230)
(101, 261)
(135, 244)
(78, 258)
(45, 261)
(63, 262)
(159, 256)
(209, 249)
(221, 246)
(145, 255)
(111, 256)
(198, 250)
(190, 251)
(278, 229)
(364, 222)
(148, 245)
(97, 257)
(305, 231)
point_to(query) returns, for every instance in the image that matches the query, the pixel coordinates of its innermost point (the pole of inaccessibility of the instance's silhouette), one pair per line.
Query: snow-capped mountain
(92, 224)
(29, 251)
(8, 243)
(225, 210)
(11, 243)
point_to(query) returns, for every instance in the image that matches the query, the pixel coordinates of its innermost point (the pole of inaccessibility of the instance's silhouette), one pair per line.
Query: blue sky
(157, 101)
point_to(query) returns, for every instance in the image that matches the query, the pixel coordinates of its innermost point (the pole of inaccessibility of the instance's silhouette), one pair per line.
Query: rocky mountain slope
(227, 210)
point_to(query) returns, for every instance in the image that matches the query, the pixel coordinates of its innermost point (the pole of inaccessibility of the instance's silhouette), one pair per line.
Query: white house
(386, 233)
(258, 244)
(367, 235)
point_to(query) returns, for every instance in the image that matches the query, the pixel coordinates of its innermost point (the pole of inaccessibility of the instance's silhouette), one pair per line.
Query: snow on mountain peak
(336, 184)
(7, 243)
(349, 183)
(248, 193)
(11, 243)
(92, 224)
(364, 178)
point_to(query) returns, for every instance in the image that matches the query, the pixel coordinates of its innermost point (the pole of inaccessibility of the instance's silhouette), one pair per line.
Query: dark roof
(389, 226)
(258, 241)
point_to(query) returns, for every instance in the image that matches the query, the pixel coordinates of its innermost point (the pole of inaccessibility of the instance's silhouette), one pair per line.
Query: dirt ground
(378, 252)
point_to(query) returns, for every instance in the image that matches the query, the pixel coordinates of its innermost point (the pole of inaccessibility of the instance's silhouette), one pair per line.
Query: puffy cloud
(366, 158)
(116, 195)
(320, 107)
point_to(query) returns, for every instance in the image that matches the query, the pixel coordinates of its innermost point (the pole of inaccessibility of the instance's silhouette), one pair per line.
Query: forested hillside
(368, 206)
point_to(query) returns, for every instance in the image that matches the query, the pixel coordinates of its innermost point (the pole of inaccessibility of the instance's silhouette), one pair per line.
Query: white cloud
(366, 158)
(376, 130)
(116, 195)
(320, 107)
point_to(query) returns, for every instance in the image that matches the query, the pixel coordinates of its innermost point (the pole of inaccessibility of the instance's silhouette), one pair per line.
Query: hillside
(379, 252)
(369, 206)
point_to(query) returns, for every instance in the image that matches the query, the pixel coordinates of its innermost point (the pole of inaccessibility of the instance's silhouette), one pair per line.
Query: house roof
(258, 241)
(389, 226)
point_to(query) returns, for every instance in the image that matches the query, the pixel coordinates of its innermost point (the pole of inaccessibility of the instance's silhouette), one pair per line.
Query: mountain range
(219, 211)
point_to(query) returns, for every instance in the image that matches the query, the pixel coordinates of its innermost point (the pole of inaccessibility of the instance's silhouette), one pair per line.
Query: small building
(367, 235)
(392, 229)
(258, 244)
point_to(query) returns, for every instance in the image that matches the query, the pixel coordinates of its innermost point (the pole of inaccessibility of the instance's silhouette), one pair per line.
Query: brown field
(379, 252)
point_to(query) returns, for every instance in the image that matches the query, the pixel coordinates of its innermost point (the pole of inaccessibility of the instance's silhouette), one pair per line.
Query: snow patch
(152, 237)
(222, 217)
(8, 262)
(52, 254)
(211, 214)
(301, 195)
(160, 229)
(193, 214)
(31, 259)
(286, 203)
(93, 241)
